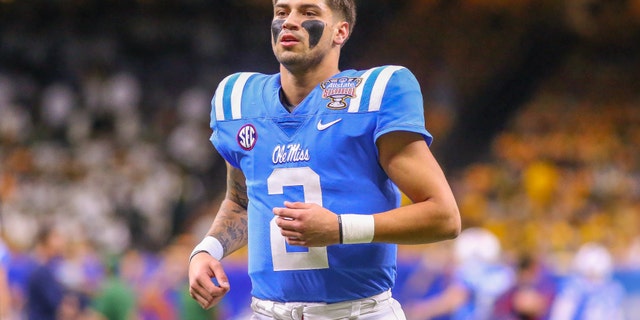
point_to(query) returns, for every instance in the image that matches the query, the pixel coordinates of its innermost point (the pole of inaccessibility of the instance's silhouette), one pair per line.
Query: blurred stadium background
(104, 109)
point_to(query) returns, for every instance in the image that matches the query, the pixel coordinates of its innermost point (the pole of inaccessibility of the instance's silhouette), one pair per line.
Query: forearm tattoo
(230, 225)
(237, 188)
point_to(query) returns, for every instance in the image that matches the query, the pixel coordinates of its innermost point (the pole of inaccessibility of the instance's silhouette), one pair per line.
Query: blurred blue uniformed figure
(5, 294)
(590, 292)
(479, 278)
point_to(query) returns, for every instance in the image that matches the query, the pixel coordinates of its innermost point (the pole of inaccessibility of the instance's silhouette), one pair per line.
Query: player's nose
(292, 22)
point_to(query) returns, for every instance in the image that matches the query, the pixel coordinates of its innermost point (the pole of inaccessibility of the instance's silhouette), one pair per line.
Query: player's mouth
(288, 40)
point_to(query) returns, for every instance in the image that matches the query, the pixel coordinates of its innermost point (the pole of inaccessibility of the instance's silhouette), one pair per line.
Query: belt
(318, 311)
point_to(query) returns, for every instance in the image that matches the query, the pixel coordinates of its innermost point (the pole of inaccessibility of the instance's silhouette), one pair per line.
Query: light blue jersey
(581, 299)
(5, 256)
(323, 152)
(485, 283)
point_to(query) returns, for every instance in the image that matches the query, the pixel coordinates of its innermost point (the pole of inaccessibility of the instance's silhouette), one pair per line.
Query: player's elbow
(454, 226)
(451, 224)
(441, 224)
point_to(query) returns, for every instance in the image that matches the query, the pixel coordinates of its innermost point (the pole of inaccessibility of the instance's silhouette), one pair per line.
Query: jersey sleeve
(225, 107)
(401, 107)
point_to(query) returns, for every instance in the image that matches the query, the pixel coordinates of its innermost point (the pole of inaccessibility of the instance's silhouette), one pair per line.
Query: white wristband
(210, 245)
(357, 228)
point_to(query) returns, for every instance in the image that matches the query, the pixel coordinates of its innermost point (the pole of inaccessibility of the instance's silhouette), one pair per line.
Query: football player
(316, 157)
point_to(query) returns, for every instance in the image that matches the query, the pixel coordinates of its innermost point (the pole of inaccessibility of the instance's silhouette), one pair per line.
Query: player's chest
(321, 138)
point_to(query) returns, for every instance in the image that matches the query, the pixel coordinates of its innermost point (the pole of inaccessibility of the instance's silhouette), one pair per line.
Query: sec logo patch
(247, 137)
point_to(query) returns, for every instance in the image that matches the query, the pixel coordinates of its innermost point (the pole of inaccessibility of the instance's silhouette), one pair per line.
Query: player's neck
(297, 85)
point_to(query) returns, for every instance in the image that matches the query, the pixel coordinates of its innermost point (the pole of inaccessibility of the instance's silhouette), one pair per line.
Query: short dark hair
(347, 8)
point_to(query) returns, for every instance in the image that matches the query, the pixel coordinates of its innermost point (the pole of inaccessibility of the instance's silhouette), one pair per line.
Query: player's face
(304, 31)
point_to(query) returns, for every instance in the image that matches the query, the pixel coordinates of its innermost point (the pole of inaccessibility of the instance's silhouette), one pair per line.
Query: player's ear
(341, 33)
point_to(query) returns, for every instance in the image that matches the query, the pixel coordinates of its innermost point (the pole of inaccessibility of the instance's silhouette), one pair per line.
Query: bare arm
(433, 215)
(230, 228)
(230, 223)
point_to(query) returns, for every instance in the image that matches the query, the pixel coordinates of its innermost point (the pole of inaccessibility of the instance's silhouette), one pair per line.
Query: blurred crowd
(62, 279)
(567, 169)
(107, 175)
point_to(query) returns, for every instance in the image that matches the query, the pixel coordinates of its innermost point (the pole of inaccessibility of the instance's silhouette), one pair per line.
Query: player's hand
(202, 269)
(307, 224)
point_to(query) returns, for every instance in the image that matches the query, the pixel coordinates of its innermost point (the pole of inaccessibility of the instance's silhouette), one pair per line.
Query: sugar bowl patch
(338, 90)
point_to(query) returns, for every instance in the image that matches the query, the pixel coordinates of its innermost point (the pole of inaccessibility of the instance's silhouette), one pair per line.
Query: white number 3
(315, 257)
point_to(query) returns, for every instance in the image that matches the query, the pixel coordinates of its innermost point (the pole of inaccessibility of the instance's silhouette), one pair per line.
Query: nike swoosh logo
(323, 126)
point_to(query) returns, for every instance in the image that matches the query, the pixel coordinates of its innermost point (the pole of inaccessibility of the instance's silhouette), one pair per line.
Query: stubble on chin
(298, 62)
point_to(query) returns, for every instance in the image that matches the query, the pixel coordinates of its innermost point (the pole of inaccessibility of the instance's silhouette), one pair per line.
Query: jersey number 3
(316, 257)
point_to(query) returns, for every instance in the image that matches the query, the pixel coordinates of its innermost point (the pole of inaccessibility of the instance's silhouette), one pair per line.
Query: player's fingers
(296, 205)
(201, 300)
(205, 286)
(291, 234)
(296, 242)
(200, 294)
(207, 293)
(285, 223)
(221, 277)
(286, 213)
